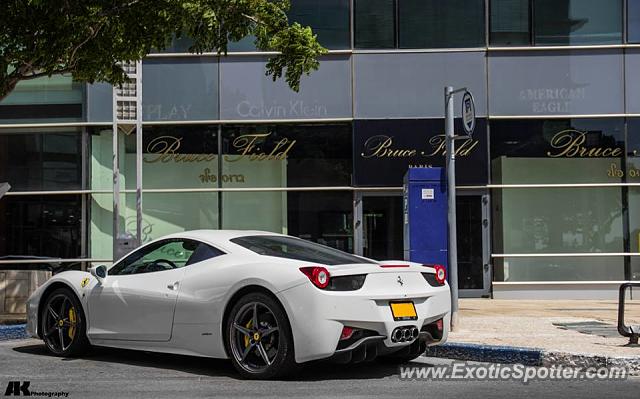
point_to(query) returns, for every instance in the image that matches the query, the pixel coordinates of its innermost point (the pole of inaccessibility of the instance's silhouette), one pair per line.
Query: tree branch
(94, 33)
(37, 75)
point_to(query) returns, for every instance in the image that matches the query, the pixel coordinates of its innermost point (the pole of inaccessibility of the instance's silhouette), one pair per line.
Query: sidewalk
(548, 325)
(568, 332)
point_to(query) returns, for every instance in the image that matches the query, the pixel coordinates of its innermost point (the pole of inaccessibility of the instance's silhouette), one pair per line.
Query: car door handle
(174, 286)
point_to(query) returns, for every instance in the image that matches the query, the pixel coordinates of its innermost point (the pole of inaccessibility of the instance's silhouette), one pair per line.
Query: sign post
(469, 123)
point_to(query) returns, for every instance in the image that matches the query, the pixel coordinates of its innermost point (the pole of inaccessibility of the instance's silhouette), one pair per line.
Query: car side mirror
(99, 272)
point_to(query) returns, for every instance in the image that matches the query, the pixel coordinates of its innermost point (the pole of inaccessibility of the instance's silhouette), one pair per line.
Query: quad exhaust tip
(404, 334)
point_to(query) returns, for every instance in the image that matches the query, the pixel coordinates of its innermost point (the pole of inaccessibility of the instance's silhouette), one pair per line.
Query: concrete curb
(531, 356)
(487, 353)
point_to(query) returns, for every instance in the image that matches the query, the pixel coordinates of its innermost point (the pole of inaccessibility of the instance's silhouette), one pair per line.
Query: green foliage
(87, 38)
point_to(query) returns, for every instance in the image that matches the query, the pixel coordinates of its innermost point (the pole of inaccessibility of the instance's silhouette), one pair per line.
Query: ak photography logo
(22, 388)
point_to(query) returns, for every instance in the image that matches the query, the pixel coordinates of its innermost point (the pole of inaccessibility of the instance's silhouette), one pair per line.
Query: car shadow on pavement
(313, 371)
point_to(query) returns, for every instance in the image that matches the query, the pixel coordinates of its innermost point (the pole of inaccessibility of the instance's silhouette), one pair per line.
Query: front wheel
(63, 324)
(258, 338)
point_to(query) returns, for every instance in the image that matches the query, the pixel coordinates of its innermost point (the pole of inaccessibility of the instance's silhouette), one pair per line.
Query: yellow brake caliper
(246, 338)
(72, 321)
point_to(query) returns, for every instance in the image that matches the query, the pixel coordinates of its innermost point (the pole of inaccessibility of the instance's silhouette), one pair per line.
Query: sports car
(266, 301)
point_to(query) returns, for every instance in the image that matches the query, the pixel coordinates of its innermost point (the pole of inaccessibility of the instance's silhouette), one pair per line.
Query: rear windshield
(295, 248)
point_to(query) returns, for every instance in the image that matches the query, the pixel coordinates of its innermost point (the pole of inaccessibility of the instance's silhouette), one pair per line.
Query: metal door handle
(173, 286)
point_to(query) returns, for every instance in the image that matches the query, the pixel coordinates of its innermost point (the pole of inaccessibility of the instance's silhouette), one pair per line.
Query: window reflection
(574, 22)
(286, 155)
(41, 159)
(557, 151)
(440, 24)
(47, 226)
(633, 21)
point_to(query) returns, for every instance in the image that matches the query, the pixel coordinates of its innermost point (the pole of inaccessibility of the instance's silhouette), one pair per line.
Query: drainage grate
(599, 328)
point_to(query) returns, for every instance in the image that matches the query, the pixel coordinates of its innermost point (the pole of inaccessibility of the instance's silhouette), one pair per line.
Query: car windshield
(295, 248)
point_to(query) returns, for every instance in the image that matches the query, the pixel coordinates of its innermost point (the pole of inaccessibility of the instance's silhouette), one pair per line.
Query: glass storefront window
(329, 19)
(601, 268)
(576, 22)
(633, 21)
(49, 99)
(383, 150)
(382, 227)
(557, 151)
(162, 214)
(286, 155)
(266, 211)
(440, 24)
(633, 193)
(322, 217)
(101, 226)
(180, 89)
(41, 159)
(43, 226)
(178, 156)
(374, 24)
(509, 22)
(558, 220)
(167, 213)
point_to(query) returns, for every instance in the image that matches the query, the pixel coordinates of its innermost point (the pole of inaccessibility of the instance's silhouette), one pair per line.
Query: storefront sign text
(294, 109)
(165, 149)
(248, 146)
(552, 100)
(251, 146)
(208, 177)
(382, 146)
(571, 143)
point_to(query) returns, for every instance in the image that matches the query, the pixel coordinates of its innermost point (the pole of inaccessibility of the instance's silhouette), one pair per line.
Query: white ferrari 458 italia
(266, 301)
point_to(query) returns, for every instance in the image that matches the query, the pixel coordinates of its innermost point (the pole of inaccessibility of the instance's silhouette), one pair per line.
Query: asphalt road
(109, 373)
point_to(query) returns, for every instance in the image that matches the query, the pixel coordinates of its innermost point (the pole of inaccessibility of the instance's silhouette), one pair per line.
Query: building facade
(548, 186)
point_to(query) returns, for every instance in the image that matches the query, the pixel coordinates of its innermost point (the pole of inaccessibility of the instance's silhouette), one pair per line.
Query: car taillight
(441, 274)
(319, 276)
(438, 278)
(347, 332)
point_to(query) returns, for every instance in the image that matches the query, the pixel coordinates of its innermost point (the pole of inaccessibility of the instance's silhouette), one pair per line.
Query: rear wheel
(258, 338)
(63, 324)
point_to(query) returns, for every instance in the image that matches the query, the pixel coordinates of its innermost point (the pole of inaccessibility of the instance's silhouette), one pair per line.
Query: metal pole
(139, 154)
(116, 190)
(451, 191)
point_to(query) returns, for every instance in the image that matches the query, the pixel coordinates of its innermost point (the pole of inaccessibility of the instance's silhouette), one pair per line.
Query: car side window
(165, 255)
(160, 256)
(203, 252)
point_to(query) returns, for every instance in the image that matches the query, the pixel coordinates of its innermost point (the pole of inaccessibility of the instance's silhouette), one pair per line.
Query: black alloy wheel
(63, 324)
(258, 338)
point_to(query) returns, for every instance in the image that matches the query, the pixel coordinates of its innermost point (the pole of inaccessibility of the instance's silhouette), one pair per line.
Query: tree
(88, 38)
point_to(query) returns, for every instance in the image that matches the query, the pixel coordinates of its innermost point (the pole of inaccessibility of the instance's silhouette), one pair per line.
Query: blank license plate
(403, 311)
